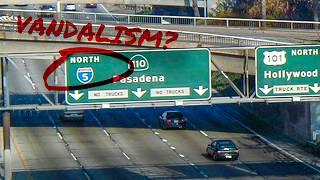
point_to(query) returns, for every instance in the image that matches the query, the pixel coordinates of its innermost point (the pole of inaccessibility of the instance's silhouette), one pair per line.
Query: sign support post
(6, 122)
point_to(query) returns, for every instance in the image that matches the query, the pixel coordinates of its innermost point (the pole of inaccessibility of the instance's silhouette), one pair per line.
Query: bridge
(124, 140)
(211, 4)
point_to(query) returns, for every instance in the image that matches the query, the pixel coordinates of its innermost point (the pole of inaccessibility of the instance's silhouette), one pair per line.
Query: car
(172, 119)
(223, 149)
(70, 7)
(47, 8)
(164, 22)
(92, 5)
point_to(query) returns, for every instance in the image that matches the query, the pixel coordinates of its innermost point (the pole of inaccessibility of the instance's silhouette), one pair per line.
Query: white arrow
(265, 89)
(76, 95)
(315, 88)
(200, 91)
(139, 93)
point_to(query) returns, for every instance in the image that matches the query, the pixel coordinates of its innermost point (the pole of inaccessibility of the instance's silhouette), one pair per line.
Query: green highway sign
(287, 71)
(159, 75)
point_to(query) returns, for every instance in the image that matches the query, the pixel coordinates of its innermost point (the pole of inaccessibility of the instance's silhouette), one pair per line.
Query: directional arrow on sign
(76, 95)
(139, 93)
(266, 89)
(201, 90)
(315, 88)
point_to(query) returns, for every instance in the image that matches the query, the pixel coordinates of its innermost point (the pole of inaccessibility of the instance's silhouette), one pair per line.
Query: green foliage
(276, 9)
(145, 12)
(220, 83)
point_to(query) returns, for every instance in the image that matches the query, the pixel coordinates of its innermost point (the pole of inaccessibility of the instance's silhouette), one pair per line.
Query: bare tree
(315, 10)
(195, 8)
(264, 9)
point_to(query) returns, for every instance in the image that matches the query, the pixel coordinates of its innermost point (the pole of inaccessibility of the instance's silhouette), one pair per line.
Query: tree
(315, 5)
(224, 8)
(275, 9)
(195, 8)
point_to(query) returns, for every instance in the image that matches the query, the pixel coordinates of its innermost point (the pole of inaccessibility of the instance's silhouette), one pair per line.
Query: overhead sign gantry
(159, 75)
(287, 71)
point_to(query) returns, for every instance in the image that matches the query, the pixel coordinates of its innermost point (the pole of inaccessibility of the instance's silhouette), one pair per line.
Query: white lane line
(28, 79)
(60, 136)
(206, 135)
(275, 146)
(106, 133)
(126, 155)
(74, 157)
(169, 145)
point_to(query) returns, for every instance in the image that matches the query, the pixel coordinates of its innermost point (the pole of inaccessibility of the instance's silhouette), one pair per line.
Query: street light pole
(205, 8)
(58, 6)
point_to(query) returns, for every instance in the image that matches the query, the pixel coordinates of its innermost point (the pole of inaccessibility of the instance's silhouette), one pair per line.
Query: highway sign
(287, 71)
(159, 75)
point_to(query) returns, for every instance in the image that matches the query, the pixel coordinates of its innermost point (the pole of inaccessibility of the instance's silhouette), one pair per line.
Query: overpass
(210, 3)
(128, 143)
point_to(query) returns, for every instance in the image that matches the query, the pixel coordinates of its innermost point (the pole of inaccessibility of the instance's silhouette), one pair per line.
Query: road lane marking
(202, 132)
(269, 143)
(73, 156)
(181, 155)
(59, 134)
(126, 155)
(20, 156)
(106, 133)
(277, 147)
(170, 146)
(164, 140)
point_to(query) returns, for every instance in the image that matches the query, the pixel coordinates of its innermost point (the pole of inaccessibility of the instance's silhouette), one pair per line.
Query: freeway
(128, 144)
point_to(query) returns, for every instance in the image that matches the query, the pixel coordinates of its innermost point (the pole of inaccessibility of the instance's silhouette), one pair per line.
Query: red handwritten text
(133, 36)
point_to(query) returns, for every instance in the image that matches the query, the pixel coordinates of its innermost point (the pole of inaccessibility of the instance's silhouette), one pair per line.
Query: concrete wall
(315, 120)
(293, 119)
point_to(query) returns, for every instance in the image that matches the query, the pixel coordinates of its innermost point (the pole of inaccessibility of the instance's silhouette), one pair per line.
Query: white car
(70, 7)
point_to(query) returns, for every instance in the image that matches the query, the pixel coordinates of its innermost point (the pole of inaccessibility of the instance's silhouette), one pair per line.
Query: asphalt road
(128, 144)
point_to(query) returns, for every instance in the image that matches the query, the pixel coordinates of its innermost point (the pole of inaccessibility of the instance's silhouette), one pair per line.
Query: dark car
(47, 8)
(223, 149)
(172, 119)
(92, 5)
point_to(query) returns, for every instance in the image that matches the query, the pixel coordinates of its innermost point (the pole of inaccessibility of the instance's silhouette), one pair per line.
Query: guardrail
(168, 20)
(204, 39)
